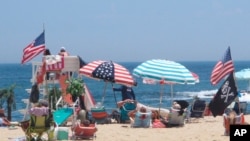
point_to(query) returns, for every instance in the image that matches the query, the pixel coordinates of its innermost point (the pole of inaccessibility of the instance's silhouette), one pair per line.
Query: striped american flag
(54, 62)
(34, 48)
(222, 68)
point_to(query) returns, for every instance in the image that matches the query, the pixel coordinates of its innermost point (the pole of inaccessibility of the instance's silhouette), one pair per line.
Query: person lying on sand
(3, 120)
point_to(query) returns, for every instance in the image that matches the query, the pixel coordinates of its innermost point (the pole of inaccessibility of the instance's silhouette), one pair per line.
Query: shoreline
(206, 128)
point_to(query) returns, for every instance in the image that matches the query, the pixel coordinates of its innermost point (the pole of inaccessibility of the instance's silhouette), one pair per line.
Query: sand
(207, 128)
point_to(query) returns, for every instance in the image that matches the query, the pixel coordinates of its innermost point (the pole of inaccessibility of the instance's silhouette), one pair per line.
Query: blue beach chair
(61, 115)
(125, 109)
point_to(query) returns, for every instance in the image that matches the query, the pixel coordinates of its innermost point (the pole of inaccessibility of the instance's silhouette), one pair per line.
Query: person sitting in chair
(140, 117)
(175, 117)
(231, 119)
(157, 120)
(125, 107)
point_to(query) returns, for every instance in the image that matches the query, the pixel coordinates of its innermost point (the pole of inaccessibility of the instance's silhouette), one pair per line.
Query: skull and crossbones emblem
(226, 91)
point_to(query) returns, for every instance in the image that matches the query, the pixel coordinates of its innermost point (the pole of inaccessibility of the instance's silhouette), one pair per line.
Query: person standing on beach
(63, 52)
(45, 53)
(127, 92)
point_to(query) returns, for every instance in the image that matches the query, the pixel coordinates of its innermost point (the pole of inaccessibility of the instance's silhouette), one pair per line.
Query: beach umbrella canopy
(243, 74)
(109, 72)
(196, 77)
(164, 72)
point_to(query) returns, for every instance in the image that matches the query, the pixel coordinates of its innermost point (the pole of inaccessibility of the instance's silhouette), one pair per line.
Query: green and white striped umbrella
(164, 72)
(243, 74)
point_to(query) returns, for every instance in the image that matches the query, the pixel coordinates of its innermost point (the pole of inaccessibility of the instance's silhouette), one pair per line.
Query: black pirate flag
(224, 96)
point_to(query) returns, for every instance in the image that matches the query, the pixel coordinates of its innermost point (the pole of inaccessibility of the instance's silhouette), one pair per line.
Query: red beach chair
(81, 131)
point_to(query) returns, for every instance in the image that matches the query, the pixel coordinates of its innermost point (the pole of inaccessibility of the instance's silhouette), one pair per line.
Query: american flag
(50, 63)
(34, 48)
(54, 62)
(222, 68)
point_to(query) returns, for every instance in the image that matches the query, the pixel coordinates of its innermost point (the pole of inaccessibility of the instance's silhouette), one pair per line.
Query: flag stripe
(59, 65)
(121, 74)
(222, 68)
(34, 48)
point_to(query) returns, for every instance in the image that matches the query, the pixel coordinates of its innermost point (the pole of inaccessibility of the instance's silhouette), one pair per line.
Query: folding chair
(232, 120)
(99, 115)
(197, 110)
(39, 124)
(125, 109)
(84, 132)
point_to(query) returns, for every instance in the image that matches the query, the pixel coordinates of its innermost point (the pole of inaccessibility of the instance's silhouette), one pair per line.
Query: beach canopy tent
(161, 71)
(109, 72)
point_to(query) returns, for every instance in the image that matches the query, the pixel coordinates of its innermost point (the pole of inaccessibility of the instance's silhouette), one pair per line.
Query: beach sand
(207, 128)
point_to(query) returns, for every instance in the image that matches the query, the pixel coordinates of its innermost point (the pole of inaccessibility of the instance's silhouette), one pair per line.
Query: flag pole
(237, 98)
(237, 101)
(44, 34)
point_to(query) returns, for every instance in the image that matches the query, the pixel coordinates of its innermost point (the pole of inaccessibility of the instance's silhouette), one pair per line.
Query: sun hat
(63, 48)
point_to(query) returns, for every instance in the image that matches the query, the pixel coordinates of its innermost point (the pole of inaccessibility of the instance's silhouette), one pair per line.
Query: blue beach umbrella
(164, 72)
(243, 74)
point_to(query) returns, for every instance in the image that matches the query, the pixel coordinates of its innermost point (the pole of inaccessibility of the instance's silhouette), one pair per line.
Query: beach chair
(197, 110)
(81, 131)
(61, 115)
(125, 109)
(39, 124)
(232, 120)
(141, 120)
(99, 115)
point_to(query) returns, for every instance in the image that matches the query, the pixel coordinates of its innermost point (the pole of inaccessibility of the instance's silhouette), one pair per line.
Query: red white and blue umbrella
(164, 72)
(109, 72)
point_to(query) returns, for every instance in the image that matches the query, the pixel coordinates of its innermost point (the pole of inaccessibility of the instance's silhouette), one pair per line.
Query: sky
(125, 31)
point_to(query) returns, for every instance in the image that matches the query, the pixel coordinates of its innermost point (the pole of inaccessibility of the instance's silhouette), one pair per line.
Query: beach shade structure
(196, 77)
(109, 72)
(243, 74)
(160, 71)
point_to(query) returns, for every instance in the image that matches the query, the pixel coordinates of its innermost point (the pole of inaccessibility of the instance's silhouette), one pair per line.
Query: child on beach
(157, 121)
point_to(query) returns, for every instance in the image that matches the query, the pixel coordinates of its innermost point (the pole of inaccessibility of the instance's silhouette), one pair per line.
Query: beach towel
(23, 138)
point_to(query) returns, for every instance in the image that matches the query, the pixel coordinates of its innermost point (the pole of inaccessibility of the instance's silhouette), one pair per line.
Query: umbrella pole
(161, 93)
(248, 88)
(115, 96)
(104, 92)
(172, 91)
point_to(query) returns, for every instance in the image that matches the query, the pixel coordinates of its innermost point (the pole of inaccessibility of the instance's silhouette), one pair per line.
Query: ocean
(148, 94)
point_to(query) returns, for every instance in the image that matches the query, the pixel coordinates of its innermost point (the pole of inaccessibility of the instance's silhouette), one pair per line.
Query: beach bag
(34, 95)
